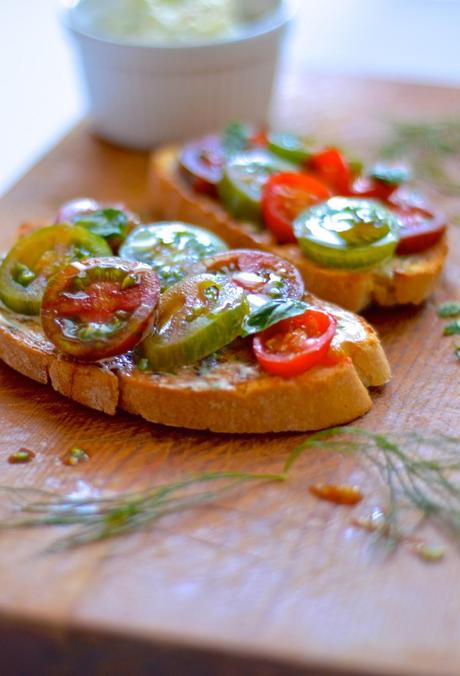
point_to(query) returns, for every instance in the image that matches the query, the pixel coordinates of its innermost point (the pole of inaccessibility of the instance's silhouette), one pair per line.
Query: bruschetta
(163, 321)
(357, 237)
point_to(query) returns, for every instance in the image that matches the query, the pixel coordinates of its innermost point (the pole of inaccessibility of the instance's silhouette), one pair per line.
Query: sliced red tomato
(366, 186)
(259, 138)
(285, 196)
(100, 307)
(203, 162)
(295, 345)
(420, 226)
(420, 229)
(262, 275)
(381, 181)
(332, 168)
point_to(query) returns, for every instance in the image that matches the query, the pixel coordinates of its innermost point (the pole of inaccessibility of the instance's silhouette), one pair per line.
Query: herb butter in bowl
(163, 70)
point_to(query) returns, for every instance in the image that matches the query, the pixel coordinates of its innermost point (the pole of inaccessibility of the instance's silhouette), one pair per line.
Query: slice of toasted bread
(227, 393)
(402, 280)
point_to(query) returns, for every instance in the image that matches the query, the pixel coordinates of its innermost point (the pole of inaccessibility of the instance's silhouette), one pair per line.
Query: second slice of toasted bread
(402, 280)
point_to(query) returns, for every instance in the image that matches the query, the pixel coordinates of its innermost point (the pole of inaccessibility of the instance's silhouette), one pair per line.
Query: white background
(41, 97)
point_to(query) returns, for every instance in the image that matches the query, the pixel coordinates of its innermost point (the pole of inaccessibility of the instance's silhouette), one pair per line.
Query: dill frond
(433, 148)
(418, 471)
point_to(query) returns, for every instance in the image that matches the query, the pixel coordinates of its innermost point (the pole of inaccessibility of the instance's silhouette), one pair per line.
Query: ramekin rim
(281, 16)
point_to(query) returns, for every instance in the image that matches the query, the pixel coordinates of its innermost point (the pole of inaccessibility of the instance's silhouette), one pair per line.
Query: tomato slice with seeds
(170, 248)
(113, 222)
(296, 149)
(285, 196)
(243, 179)
(203, 162)
(100, 307)
(37, 256)
(197, 316)
(347, 232)
(367, 186)
(262, 275)
(332, 168)
(419, 230)
(297, 344)
(380, 182)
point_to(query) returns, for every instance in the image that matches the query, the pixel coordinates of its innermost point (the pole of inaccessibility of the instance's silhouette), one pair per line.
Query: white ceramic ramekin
(142, 95)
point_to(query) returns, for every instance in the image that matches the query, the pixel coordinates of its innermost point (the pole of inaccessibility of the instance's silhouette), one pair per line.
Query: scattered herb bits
(376, 521)
(430, 553)
(21, 457)
(75, 456)
(450, 308)
(452, 329)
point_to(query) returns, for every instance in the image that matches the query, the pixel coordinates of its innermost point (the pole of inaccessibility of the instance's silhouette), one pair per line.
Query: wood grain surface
(271, 581)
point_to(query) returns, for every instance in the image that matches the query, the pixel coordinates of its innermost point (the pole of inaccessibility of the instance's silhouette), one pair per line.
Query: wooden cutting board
(271, 582)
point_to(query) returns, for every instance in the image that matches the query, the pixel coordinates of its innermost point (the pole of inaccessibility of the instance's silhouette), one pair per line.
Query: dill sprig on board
(432, 148)
(101, 518)
(416, 470)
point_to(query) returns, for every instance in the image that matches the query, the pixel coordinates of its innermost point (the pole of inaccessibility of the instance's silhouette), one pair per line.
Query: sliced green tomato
(35, 258)
(296, 149)
(171, 248)
(347, 232)
(245, 175)
(196, 317)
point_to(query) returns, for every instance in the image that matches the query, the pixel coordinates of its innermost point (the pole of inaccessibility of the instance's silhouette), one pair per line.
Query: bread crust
(322, 399)
(403, 280)
(246, 400)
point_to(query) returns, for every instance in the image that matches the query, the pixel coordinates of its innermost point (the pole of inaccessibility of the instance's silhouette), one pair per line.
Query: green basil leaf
(105, 222)
(271, 313)
(235, 138)
(393, 175)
